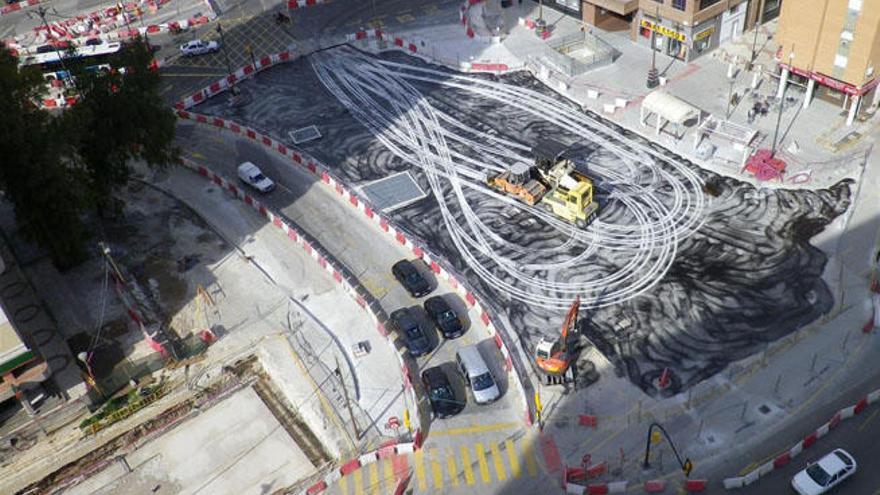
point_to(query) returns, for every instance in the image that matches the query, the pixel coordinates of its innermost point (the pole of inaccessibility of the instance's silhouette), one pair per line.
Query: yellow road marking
(475, 429)
(481, 460)
(197, 155)
(374, 478)
(430, 9)
(358, 482)
(529, 454)
(343, 485)
(388, 473)
(436, 471)
(451, 468)
(870, 418)
(405, 18)
(419, 461)
(467, 465)
(513, 458)
(499, 463)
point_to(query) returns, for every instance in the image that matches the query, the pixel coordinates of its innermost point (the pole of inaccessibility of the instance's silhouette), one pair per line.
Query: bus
(97, 57)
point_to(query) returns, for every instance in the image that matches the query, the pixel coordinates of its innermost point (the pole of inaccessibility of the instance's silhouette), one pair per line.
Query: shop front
(676, 40)
(856, 99)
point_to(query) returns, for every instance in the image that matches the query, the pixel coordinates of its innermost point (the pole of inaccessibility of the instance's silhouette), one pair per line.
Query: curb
(338, 272)
(353, 465)
(411, 47)
(785, 457)
(437, 264)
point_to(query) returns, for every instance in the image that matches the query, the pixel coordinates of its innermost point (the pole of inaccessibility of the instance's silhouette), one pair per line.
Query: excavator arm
(569, 323)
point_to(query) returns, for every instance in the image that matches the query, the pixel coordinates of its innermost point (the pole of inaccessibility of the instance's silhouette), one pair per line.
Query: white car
(198, 47)
(251, 175)
(825, 474)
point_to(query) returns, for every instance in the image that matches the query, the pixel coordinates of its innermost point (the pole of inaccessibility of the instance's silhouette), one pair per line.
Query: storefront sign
(704, 34)
(663, 30)
(833, 83)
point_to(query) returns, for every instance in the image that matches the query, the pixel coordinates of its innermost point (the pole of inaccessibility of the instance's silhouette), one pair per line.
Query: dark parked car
(413, 281)
(444, 403)
(415, 336)
(444, 317)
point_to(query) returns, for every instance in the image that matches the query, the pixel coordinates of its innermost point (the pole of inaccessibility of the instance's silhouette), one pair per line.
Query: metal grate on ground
(393, 192)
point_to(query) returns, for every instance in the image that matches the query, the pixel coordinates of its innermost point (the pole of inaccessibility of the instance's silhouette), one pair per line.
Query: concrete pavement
(367, 252)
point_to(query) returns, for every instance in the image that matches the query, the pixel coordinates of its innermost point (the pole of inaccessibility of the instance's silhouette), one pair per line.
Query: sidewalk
(321, 322)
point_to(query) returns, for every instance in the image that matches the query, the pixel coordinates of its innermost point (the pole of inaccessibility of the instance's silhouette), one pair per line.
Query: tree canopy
(58, 166)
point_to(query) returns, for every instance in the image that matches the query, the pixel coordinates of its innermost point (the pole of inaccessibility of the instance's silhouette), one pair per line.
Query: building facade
(684, 29)
(20, 365)
(833, 48)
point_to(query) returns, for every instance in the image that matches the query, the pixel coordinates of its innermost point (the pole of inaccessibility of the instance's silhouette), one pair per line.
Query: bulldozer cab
(546, 348)
(547, 153)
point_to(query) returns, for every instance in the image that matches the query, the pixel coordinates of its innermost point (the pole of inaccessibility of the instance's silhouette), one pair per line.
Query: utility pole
(653, 75)
(781, 105)
(232, 88)
(758, 18)
(354, 424)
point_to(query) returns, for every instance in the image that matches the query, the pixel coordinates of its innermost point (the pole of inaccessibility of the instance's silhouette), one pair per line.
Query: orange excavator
(553, 357)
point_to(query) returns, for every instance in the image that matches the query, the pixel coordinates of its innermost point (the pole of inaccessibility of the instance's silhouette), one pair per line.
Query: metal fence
(556, 60)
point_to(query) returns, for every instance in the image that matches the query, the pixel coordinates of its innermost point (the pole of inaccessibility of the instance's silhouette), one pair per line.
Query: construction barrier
(783, 459)
(438, 265)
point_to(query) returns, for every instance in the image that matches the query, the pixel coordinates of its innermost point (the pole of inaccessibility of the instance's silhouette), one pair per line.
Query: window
(679, 4)
(704, 4)
(840, 61)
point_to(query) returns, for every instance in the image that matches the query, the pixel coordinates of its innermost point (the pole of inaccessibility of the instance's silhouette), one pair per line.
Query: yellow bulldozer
(553, 182)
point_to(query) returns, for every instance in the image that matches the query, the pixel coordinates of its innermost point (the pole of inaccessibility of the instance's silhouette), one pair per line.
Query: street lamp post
(685, 465)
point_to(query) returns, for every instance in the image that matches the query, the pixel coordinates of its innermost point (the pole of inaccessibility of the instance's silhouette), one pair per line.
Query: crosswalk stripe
(419, 461)
(451, 468)
(529, 455)
(513, 457)
(374, 479)
(468, 466)
(481, 460)
(498, 461)
(343, 485)
(358, 482)
(388, 472)
(436, 471)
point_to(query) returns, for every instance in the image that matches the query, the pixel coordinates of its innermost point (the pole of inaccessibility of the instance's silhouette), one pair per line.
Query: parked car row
(419, 336)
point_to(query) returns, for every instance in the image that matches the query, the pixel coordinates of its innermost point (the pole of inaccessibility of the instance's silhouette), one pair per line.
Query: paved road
(483, 445)
(858, 435)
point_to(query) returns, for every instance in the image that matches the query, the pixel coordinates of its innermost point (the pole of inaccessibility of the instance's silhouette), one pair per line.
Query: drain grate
(394, 191)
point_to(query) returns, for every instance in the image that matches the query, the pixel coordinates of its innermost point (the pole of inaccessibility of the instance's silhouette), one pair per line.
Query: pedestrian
(751, 115)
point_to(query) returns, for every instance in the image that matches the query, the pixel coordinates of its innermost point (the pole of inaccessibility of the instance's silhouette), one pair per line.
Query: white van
(251, 175)
(477, 375)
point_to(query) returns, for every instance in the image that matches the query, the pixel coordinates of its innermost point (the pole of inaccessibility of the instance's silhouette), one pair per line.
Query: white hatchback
(822, 476)
(198, 47)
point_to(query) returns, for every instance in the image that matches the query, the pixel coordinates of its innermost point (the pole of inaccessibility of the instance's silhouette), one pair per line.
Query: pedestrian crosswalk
(446, 469)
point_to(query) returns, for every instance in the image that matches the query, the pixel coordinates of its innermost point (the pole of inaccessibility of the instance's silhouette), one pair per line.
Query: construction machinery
(554, 357)
(553, 182)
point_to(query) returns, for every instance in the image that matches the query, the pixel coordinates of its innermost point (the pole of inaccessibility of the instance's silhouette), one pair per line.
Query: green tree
(56, 166)
(34, 176)
(120, 119)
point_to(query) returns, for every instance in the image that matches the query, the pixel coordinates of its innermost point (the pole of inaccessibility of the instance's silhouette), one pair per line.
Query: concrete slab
(235, 447)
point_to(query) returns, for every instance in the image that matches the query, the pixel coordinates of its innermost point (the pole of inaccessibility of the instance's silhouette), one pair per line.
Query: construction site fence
(557, 60)
(127, 410)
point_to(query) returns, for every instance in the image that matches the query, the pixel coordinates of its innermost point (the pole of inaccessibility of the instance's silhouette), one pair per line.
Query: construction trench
(246, 373)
